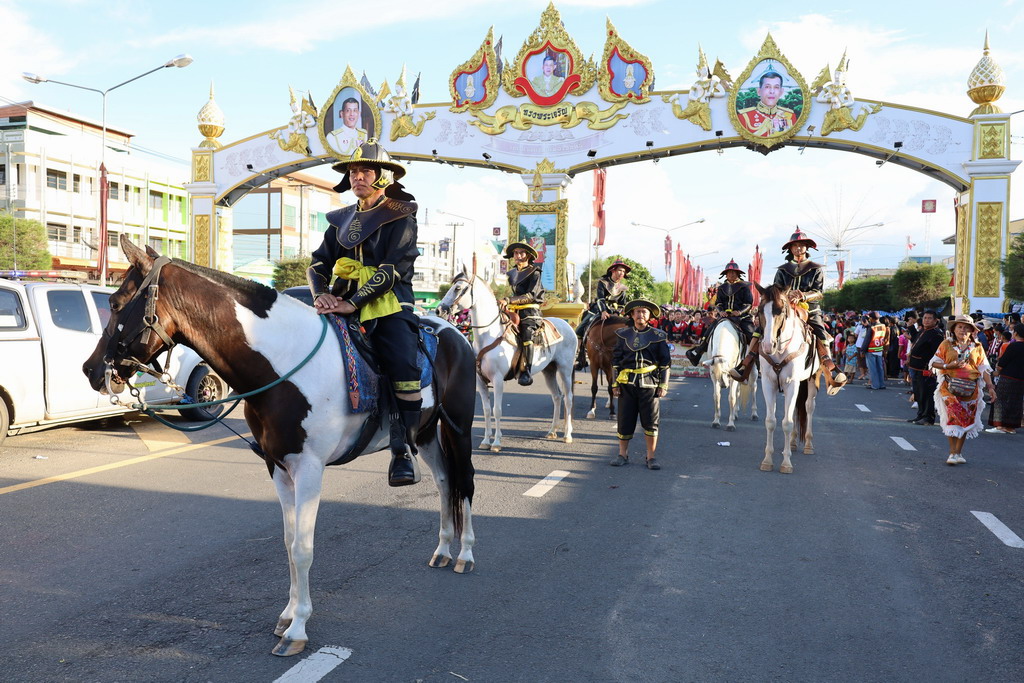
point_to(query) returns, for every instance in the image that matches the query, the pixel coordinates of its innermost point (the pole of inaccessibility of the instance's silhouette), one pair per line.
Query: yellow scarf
(386, 304)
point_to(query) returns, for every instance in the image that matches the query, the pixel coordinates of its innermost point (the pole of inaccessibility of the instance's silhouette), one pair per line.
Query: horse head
(461, 284)
(140, 326)
(775, 321)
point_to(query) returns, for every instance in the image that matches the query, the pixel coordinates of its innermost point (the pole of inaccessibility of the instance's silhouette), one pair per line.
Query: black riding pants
(636, 402)
(395, 338)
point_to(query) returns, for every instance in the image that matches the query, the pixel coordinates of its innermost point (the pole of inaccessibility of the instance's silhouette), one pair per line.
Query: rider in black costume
(611, 297)
(527, 296)
(371, 247)
(806, 282)
(733, 301)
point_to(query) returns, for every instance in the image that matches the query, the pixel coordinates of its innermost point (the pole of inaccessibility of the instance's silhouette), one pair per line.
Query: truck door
(69, 333)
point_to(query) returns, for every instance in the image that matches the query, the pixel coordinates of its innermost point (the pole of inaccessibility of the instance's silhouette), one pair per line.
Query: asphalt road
(161, 559)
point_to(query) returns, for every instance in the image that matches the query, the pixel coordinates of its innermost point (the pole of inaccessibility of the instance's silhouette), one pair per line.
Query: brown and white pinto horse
(600, 344)
(789, 365)
(252, 335)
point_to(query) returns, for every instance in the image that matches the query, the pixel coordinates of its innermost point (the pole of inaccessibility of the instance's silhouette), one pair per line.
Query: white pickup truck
(47, 331)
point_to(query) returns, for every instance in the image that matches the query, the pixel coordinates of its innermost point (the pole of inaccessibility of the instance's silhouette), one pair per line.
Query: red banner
(841, 268)
(599, 181)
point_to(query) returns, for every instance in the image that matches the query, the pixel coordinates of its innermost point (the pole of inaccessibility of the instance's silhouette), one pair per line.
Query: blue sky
(916, 53)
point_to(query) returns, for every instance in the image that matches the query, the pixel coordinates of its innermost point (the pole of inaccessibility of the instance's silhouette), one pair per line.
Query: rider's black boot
(696, 352)
(404, 469)
(581, 356)
(525, 379)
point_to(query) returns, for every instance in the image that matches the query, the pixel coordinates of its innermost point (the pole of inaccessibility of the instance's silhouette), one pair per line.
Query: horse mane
(255, 296)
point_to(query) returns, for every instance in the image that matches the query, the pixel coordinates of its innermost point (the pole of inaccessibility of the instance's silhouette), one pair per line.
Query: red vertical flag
(755, 272)
(841, 269)
(599, 180)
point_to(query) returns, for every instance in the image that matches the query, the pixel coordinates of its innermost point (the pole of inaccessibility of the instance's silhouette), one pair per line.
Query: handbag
(961, 387)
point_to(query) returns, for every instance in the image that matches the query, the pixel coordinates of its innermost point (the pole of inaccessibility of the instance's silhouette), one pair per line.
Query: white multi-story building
(50, 172)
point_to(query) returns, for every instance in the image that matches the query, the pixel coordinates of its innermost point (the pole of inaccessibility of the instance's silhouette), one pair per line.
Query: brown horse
(600, 344)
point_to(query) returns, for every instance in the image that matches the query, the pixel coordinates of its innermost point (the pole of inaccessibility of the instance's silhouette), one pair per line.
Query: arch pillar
(210, 225)
(983, 218)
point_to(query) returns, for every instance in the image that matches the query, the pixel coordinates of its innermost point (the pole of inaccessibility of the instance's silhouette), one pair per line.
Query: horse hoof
(808, 451)
(754, 418)
(288, 648)
(567, 439)
(765, 467)
(591, 415)
(282, 626)
(715, 425)
(439, 561)
(551, 436)
(786, 469)
(484, 446)
(464, 566)
(730, 428)
(495, 449)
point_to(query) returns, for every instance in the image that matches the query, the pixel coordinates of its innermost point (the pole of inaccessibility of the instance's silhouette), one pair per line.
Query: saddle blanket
(546, 335)
(363, 383)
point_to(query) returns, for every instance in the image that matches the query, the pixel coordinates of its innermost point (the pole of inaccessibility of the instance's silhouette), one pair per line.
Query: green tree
(640, 282)
(1013, 269)
(663, 293)
(919, 284)
(290, 272)
(23, 240)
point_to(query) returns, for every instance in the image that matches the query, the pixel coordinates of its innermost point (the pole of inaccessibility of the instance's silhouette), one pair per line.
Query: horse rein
(778, 366)
(472, 302)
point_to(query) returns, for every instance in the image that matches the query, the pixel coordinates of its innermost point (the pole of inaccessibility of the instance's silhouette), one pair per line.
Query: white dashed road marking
(316, 666)
(902, 443)
(546, 484)
(862, 408)
(1002, 532)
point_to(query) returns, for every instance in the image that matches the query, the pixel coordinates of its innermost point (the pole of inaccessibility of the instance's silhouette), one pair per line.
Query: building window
(76, 182)
(157, 243)
(115, 191)
(58, 180)
(3, 174)
(289, 216)
(55, 232)
(156, 200)
(112, 239)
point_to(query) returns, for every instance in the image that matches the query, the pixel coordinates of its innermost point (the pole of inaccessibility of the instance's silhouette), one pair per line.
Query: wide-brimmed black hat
(732, 265)
(618, 263)
(643, 303)
(521, 245)
(799, 236)
(370, 153)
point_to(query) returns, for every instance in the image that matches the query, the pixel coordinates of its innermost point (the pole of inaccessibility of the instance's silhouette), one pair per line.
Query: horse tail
(456, 400)
(801, 408)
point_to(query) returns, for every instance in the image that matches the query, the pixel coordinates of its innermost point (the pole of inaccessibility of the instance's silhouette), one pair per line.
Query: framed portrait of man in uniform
(768, 105)
(348, 118)
(543, 227)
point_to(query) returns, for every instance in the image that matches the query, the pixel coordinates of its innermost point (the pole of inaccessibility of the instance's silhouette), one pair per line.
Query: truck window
(12, 316)
(68, 310)
(102, 302)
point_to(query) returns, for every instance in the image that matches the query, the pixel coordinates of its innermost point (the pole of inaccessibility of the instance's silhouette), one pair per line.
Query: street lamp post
(181, 61)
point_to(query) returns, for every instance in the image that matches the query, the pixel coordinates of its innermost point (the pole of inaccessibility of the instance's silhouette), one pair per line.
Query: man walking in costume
(371, 247)
(527, 296)
(806, 280)
(733, 301)
(640, 365)
(610, 298)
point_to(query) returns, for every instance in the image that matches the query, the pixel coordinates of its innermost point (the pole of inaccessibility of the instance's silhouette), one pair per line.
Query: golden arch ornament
(771, 123)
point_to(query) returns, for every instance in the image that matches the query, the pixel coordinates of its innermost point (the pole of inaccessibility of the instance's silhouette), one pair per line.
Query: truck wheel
(5, 420)
(205, 385)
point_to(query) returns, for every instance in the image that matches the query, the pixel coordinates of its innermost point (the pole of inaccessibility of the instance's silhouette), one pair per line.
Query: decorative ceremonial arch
(549, 114)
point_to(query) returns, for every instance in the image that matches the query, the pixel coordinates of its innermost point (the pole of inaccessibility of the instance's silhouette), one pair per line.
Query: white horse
(726, 353)
(494, 356)
(785, 367)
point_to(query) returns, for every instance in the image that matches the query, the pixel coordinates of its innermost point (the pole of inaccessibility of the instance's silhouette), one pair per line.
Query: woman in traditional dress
(962, 366)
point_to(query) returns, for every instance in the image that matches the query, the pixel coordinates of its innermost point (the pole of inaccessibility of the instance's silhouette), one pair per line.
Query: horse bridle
(119, 341)
(465, 279)
(778, 366)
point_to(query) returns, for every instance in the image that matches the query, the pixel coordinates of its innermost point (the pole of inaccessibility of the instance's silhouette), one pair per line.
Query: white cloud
(22, 40)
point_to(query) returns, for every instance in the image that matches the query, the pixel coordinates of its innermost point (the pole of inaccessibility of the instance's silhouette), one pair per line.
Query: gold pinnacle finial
(211, 122)
(987, 83)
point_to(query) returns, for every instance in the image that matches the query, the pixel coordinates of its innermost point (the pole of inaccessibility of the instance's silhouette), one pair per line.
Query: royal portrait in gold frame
(348, 118)
(543, 226)
(769, 102)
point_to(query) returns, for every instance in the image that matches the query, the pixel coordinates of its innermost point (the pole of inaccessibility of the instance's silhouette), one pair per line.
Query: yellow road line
(112, 466)
(157, 436)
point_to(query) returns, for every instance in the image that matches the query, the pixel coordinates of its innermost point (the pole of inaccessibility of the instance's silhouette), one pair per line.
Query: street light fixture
(180, 61)
(667, 231)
